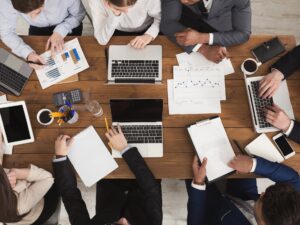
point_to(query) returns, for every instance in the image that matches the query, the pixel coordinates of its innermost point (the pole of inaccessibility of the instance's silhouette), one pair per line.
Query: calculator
(73, 97)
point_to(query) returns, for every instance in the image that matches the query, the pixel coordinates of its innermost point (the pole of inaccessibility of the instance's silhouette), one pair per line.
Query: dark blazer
(288, 64)
(151, 203)
(230, 18)
(229, 214)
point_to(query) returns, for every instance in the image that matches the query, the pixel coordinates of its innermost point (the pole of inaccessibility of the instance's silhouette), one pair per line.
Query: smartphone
(283, 146)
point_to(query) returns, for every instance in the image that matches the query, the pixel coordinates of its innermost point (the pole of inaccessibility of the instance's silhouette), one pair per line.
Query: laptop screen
(136, 110)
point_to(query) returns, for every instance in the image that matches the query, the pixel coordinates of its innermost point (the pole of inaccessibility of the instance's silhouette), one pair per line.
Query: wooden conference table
(178, 150)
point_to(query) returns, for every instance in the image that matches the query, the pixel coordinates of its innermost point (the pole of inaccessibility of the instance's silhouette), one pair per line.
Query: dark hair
(8, 200)
(122, 3)
(281, 205)
(27, 6)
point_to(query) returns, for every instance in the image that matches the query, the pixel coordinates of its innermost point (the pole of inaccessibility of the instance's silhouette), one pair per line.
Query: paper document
(190, 107)
(195, 59)
(90, 157)
(210, 140)
(64, 65)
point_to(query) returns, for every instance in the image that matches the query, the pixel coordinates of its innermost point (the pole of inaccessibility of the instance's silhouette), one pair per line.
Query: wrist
(203, 49)
(30, 54)
(204, 38)
(278, 74)
(286, 128)
(199, 181)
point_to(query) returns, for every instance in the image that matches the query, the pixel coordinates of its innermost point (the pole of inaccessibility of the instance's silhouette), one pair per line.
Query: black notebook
(268, 50)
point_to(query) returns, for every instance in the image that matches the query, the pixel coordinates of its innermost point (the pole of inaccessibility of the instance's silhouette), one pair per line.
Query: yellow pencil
(106, 124)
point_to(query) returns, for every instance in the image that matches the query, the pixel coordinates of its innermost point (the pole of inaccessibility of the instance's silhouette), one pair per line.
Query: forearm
(230, 38)
(155, 12)
(22, 174)
(295, 133)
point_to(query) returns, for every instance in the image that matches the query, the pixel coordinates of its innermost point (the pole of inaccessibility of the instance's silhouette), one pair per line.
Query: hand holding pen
(35, 61)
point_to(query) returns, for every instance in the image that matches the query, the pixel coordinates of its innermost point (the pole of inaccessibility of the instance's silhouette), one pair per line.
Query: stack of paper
(198, 85)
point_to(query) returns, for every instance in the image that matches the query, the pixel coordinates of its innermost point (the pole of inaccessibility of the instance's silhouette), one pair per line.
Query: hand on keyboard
(277, 117)
(269, 85)
(117, 139)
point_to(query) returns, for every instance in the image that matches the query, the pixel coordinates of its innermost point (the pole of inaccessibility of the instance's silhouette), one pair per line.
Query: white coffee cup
(250, 66)
(39, 114)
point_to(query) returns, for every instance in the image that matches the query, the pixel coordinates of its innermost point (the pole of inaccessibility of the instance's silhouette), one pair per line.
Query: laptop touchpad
(13, 63)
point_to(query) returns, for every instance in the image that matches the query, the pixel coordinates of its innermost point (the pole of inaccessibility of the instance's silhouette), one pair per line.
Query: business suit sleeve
(149, 187)
(277, 172)
(196, 205)
(66, 183)
(289, 63)
(171, 14)
(241, 26)
(295, 133)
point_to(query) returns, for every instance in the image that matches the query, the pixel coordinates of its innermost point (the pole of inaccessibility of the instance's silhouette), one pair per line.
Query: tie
(202, 8)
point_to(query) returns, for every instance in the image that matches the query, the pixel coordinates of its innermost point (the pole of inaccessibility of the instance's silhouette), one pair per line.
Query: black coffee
(44, 117)
(250, 66)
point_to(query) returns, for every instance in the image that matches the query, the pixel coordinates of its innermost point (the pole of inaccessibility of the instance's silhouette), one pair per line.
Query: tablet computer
(15, 123)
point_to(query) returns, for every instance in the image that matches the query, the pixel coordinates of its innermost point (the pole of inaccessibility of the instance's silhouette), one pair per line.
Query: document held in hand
(90, 157)
(210, 140)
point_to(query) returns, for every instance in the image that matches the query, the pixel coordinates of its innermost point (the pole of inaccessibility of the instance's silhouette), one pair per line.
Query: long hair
(8, 200)
(122, 3)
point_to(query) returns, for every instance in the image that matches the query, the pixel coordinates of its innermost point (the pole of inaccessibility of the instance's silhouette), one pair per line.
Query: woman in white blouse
(27, 196)
(126, 17)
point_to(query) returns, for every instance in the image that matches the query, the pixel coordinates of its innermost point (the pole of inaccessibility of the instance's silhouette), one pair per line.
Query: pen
(36, 63)
(106, 124)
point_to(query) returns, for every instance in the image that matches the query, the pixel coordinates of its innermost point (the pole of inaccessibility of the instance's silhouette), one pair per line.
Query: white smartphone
(283, 146)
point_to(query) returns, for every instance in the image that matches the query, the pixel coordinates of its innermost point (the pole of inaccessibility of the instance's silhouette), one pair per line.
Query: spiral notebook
(210, 140)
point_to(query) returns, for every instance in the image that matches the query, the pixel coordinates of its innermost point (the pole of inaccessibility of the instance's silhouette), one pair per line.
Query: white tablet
(15, 123)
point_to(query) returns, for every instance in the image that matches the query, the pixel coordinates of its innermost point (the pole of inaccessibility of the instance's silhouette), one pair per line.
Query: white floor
(269, 17)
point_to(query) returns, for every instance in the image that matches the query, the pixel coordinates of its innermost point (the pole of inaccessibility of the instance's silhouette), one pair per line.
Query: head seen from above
(121, 5)
(279, 205)
(8, 200)
(31, 7)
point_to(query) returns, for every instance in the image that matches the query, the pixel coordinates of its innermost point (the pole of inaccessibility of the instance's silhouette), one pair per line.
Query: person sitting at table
(54, 18)
(207, 26)
(281, 70)
(242, 205)
(140, 18)
(27, 196)
(125, 201)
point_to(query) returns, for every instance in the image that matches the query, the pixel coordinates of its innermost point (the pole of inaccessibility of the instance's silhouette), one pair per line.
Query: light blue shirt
(64, 14)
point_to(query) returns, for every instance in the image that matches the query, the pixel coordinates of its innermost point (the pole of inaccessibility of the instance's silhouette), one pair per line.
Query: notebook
(90, 157)
(263, 147)
(210, 140)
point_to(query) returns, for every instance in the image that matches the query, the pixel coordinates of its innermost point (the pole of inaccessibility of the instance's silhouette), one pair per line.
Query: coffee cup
(44, 118)
(250, 66)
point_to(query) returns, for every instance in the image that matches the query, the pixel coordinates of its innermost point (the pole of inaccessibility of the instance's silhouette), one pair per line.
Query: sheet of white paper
(7, 149)
(211, 141)
(90, 157)
(64, 65)
(198, 83)
(190, 107)
(195, 59)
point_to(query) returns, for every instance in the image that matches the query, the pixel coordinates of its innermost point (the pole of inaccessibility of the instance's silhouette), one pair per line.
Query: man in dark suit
(206, 26)
(242, 205)
(119, 202)
(281, 70)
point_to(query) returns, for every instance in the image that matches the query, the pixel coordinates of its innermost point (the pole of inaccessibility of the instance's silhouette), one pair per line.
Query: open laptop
(129, 65)
(257, 104)
(14, 73)
(141, 123)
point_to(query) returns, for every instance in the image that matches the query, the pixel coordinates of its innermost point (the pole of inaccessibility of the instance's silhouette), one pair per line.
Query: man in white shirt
(46, 17)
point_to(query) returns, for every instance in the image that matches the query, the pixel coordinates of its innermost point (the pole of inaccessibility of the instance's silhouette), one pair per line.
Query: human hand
(116, 139)
(56, 42)
(62, 145)
(189, 2)
(241, 163)
(141, 41)
(191, 37)
(277, 117)
(199, 171)
(12, 178)
(214, 53)
(270, 83)
(35, 58)
(115, 11)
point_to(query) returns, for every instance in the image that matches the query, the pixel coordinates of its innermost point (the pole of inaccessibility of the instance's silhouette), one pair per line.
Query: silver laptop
(129, 65)
(257, 104)
(141, 123)
(14, 73)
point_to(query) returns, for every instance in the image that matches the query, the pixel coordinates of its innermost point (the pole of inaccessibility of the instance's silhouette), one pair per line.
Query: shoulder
(6, 5)
(240, 3)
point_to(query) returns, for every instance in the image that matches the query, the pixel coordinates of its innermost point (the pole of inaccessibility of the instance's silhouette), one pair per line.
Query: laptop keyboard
(143, 133)
(135, 69)
(260, 105)
(12, 78)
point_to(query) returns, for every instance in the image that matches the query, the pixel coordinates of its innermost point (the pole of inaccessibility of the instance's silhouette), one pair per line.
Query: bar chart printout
(64, 65)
